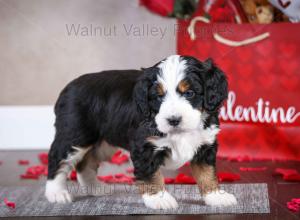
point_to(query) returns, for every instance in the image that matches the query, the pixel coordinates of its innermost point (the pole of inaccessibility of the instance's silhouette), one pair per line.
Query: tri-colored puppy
(165, 116)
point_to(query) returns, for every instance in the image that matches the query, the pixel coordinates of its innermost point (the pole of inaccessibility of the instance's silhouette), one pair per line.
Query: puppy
(165, 116)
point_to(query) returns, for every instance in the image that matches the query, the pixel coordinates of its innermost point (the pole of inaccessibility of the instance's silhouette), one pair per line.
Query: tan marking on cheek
(205, 176)
(160, 89)
(153, 186)
(183, 86)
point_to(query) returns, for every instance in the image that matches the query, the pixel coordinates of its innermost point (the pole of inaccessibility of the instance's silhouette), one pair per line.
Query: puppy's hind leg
(87, 168)
(58, 170)
(62, 159)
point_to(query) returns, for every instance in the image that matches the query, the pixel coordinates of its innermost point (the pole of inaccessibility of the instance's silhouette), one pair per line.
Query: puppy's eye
(189, 94)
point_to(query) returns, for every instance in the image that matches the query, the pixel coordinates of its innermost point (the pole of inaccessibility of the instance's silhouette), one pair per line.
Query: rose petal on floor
(9, 204)
(228, 177)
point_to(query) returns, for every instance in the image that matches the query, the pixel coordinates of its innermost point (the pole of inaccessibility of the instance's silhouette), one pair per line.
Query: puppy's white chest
(184, 145)
(182, 151)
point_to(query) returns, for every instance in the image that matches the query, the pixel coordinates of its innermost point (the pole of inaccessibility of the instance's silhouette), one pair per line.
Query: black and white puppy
(165, 116)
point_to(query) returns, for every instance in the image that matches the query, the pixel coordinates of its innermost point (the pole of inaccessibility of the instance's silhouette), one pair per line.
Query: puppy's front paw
(62, 196)
(56, 193)
(160, 200)
(220, 198)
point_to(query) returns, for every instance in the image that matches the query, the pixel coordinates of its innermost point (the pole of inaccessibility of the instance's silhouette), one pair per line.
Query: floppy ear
(140, 92)
(216, 86)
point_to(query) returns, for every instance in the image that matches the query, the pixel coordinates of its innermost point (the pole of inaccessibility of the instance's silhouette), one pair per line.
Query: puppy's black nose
(174, 121)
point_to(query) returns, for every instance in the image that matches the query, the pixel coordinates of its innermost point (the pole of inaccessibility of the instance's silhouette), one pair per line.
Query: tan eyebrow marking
(183, 86)
(160, 89)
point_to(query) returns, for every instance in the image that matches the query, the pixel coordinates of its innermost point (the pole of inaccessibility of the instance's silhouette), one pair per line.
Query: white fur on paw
(160, 200)
(220, 198)
(56, 193)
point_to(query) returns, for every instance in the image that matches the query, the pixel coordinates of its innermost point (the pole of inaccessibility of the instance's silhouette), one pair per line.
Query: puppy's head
(179, 92)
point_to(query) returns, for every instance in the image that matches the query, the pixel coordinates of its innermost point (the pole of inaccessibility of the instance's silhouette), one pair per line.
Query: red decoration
(34, 172)
(294, 205)
(106, 179)
(169, 180)
(228, 177)
(9, 203)
(184, 179)
(29, 176)
(254, 121)
(73, 175)
(292, 177)
(284, 171)
(43, 157)
(161, 7)
(222, 12)
(253, 168)
(23, 162)
(119, 158)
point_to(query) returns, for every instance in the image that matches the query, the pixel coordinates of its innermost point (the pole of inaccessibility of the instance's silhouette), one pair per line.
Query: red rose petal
(125, 179)
(130, 170)
(118, 153)
(228, 177)
(43, 157)
(117, 178)
(9, 204)
(284, 172)
(183, 178)
(29, 176)
(34, 172)
(292, 177)
(23, 162)
(253, 168)
(296, 200)
(294, 204)
(73, 175)
(169, 180)
(119, 158)
(119, 175)
(105, 178)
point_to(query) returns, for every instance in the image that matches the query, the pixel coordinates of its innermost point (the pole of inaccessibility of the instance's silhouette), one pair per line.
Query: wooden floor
(280, 191)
